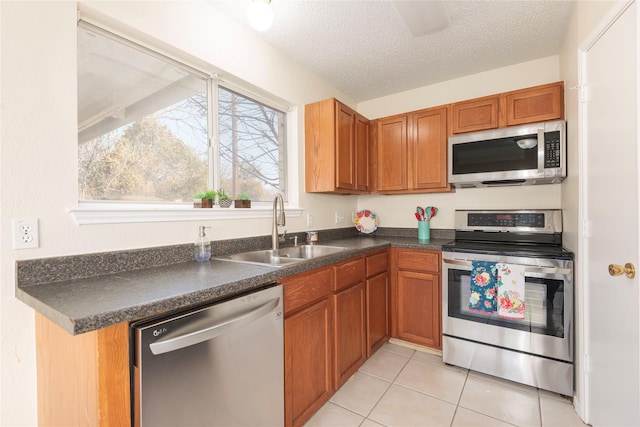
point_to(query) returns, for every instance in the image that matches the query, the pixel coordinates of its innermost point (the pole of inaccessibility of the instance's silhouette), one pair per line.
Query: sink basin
(283, 256)
(309, 251)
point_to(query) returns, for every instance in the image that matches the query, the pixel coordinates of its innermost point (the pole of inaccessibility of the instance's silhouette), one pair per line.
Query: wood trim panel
(83, 380)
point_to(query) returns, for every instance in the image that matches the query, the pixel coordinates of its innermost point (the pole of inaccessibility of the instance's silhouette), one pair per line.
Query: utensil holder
(424, 231)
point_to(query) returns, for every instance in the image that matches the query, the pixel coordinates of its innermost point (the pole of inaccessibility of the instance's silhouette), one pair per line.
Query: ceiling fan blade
(423, 16)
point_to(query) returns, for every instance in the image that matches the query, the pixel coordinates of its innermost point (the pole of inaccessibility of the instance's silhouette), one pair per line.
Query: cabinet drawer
(419, 260)
(349, 273)
(377, 263)
(304, 289)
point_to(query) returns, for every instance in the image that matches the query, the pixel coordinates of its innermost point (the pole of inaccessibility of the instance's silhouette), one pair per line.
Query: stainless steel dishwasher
(219, 365)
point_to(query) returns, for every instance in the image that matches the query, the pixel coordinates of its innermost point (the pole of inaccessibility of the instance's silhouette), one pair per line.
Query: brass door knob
(617, 270)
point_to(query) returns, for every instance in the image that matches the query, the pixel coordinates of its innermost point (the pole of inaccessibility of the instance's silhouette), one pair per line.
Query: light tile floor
(400, 386)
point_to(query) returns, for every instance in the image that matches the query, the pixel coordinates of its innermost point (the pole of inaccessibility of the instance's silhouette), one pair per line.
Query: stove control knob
(617, 270)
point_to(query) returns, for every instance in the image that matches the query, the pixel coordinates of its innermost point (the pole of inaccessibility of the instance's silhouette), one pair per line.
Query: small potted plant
(223, 199)
(243, 201)
(204, 200)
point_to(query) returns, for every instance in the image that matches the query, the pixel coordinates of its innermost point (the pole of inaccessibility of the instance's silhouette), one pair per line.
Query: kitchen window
(154, 132)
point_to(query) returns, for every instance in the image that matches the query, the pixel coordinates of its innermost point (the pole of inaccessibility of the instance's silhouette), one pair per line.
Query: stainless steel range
(508, 297)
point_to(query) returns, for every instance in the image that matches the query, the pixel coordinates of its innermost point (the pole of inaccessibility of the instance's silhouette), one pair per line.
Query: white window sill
(120, 214)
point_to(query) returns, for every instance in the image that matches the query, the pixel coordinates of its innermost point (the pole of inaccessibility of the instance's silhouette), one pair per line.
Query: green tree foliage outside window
(143, 131)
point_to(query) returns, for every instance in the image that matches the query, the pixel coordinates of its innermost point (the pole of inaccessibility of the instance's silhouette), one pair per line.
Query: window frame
(109, 212)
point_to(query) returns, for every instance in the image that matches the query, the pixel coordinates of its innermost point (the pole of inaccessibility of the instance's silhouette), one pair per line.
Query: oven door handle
(527, 268)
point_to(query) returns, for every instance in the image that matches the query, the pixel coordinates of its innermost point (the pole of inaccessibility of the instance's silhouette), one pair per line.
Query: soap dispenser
(202, 249)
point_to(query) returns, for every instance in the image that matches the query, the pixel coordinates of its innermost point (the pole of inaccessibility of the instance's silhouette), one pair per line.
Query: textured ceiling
(364, 48)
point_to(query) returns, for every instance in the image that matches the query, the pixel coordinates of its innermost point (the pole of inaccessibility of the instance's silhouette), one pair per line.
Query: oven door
(547, 327)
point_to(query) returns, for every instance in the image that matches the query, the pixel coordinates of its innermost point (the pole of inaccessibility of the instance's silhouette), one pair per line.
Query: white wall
(38, 166)
(38, 146)
(397, 211)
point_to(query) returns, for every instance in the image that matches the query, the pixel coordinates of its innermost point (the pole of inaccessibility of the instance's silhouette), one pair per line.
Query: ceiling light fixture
(423, 16)
(260, 14)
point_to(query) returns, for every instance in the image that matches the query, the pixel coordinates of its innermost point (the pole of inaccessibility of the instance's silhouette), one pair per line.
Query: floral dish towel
(510, 280)
(482, 297)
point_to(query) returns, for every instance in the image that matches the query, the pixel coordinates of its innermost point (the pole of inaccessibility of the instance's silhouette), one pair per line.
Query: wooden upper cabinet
(530, 105)
(392, 153)
(475, 114)
(362, 153)
(412, 152)
(345, 147)
(336, 149)
(535, 104)
(428, 149)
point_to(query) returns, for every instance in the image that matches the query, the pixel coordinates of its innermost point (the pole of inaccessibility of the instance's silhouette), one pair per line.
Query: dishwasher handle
(175, 343)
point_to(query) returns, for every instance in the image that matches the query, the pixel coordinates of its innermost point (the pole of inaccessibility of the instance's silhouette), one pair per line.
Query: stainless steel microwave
(517, 155)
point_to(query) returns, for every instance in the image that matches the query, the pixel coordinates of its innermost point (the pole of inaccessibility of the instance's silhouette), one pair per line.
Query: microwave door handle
(175, 343)
(527, 269)
(541, 152)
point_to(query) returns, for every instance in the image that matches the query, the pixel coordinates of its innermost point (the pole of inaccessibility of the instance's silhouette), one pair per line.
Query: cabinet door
(475, 114)
(428, 150)
(419, 308)
(392, 153)
(535, 104)
(362, 153)
(377, 311)
(345, 147)
(307, 352)
(350, 339)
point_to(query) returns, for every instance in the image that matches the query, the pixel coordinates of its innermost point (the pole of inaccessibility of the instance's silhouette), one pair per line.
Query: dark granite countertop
(84, 304)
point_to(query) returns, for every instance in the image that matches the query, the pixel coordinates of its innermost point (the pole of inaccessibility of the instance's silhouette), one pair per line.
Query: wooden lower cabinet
(350, 333)
(308, 344)
(417, 297)
(83, 380)
(307, 366)
(334, 316)
(377, 293)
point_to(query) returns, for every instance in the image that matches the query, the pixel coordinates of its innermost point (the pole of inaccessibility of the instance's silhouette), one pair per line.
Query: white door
(610, 209)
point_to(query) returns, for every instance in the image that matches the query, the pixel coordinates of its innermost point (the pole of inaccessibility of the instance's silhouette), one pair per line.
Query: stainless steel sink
(309, 251)
(283, 256)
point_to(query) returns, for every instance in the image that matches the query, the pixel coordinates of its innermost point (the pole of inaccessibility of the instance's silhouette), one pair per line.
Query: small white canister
(312, 237)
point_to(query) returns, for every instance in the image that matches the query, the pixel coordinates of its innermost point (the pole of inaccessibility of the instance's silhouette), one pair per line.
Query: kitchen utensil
(420, 212)
(418, 217)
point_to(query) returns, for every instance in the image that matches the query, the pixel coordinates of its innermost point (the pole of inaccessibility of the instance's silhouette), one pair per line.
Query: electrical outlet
(309, 220)
(25, 233)
(339, 217)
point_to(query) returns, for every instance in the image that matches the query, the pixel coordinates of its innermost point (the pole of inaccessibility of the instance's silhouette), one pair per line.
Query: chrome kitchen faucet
(278, 219)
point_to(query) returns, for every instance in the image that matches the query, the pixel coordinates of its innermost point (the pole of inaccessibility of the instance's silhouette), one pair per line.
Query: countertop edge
(76, 325)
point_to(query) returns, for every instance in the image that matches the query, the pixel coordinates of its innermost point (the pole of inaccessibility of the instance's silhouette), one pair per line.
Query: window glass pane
(252, 147)
(142, 125)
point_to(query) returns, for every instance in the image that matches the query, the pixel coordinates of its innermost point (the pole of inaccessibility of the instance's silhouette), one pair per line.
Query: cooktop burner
(521, 233)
